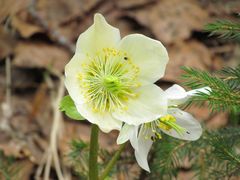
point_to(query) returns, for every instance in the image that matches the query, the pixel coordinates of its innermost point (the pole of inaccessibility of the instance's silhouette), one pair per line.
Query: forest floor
(37, 39)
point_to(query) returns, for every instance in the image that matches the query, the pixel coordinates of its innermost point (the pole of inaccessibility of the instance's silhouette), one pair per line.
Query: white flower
(111, 79)
(176, 123)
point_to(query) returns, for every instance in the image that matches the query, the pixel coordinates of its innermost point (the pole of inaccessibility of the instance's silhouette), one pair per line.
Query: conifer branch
(213, 155)
(224, 94)
(224, 29)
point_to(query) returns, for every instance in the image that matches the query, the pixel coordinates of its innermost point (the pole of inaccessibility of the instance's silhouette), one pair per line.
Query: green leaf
(67, 105)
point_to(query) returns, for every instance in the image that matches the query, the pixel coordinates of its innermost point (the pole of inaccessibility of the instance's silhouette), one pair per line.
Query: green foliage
(224, 29)
(67, 105)
(224, 94)
(79, 157)
(213, 156)
(231, 76)
(7, 170)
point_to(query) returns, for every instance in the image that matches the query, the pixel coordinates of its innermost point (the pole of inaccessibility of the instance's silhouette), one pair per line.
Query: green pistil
(166, 123)
(169, 122)
(172, 125)
(112, 84)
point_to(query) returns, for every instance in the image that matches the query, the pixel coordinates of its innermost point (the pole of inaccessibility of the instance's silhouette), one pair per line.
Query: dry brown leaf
(40, 55)
(6, 43)
(186, 175)
(132, 3)
(218, 121)
(23, 149)
(26, 141)
(190, 54)
(216, 8)
(61, 11)
(13, 148)
(72, 29)
(25, 28)
(25, 169)
(200, 113)
(171, 21)
(10, 7)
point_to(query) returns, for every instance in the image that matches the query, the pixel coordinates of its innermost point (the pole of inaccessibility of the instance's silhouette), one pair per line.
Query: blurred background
(37, 39)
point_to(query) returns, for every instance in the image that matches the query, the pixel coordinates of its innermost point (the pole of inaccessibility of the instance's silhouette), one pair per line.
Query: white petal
(176, 95)
(74, 66)
(100, 35)
(129, 132)
(72, 69)
(148, 54)
(125, 133)
(194, 92)
(187, 121)
(134, 138)
(144, 146)
(105, 121)
(149, 105)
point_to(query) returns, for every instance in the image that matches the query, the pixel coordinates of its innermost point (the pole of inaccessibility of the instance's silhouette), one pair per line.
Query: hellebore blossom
(111, 80)
(175, 122)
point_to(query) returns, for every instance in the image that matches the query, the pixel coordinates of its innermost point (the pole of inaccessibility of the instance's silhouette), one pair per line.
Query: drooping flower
(175, 122)
(111, 79)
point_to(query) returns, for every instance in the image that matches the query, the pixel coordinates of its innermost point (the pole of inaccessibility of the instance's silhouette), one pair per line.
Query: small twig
(6, 106)
(40, 167)
(52, 153)
(53, 33)
(48, 165)
(56, 126)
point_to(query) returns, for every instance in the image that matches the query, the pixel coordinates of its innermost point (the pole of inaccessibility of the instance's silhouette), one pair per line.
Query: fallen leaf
(10, 7)
(40, 55)
(126, 4)
(219, 120)
(216, 8)
(171, 21)
(200, 113)
(25, 28)
(25, 169)
(56, 12)
(190, 54)
(13, 148)
(186, 175)
(6, 43)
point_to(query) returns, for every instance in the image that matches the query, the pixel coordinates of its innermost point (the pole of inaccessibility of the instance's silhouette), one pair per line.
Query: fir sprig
(224, 29)
(213, 155)
(79, 156)
(7, 169)
(231, 76)
(224, 94)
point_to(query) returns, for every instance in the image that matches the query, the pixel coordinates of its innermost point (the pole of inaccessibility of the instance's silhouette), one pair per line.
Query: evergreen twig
(224, 29)
(224, 94)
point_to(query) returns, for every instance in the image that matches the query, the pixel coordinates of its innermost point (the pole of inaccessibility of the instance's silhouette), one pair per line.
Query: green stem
(112, 162)
(93, 153)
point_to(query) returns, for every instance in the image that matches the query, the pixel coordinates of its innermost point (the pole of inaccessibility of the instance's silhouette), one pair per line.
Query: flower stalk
(112, 162)
(93, 153)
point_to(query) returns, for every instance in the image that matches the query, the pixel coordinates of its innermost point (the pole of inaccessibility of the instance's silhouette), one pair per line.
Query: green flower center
(112, 84)
(166, 123)
(108, 80)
